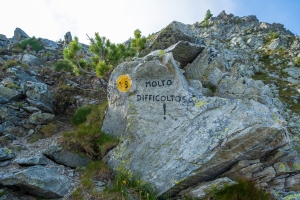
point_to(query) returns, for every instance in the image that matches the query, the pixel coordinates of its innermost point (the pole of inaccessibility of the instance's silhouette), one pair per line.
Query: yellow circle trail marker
(123, 83)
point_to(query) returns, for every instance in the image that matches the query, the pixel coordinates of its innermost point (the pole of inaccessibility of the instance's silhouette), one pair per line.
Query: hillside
(233, 79)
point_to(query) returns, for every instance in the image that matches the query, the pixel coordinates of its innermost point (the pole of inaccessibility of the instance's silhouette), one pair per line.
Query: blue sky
(117, 19)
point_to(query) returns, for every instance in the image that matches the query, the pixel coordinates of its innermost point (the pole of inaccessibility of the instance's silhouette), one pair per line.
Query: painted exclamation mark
(164, 106)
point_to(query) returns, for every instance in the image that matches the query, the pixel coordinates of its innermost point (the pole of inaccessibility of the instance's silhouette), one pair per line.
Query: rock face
(175, 137)
(19, 35)
(39, 181)
(68, 37)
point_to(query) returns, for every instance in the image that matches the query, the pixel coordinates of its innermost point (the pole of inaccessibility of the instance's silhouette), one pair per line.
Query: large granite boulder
(39, 181)
(175, 137)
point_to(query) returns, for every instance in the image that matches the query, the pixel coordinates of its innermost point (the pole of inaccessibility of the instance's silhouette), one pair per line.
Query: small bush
(80, 115)
(63, 65)
(33, 42)
(273, 35)
(88, 137)
(244, 190)
(239, 21)
(297, 61)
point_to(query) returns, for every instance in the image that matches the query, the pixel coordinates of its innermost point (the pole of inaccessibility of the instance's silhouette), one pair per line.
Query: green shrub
(88, 137)
(63, 65)
(238, 21)
(297, 61)
(273, 35)
(244, 190)
(33, 42)
(80, 115)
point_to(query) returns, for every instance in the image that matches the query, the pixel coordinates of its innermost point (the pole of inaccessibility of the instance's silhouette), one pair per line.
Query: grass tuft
(81, 115)
(88, 137)
(244, 190)
(63, 65)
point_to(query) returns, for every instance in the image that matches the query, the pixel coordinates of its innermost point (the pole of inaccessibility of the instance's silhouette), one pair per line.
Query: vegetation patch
(244, 190)
(271, 36)
(88, 137)
(13, 63)
(33, 42)
(63, 65)
(297, 61)
(64, 97)
(80, 115)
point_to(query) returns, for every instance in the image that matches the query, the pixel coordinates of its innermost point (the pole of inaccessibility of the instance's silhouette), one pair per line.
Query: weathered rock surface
(19, 35)
(184, 52)
(36, 160)
(39, 181)
(194, 138)
(68, 38)
(6, 154)
(41, 118)
(65, 157)
(31, 60)
(49, 44)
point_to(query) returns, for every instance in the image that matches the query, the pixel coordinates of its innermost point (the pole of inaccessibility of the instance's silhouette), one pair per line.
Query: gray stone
(4, 163)
(288, 164)
(36, 160)
(19, 35)
(68, 37)
(6, 154)
(31, 109)
(11, 94)
(3, 100)
(30, 132)
(65, 157)
(1, 130)
(275, 44)
(39, 105)
(293, 72)
(173, 136)
(39, 96)
(207, 67)
(204, 189)
(3, 37)
(41, 118)
(1, 60)
(20, 73)
(49, 44)
(38, 181)
(31, 60)
(266, 175)
(293, 183)
(184, 52)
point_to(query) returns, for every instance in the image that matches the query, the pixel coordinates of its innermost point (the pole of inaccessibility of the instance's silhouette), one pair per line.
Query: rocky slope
(187, 122)
(241, 85)
(35, 105)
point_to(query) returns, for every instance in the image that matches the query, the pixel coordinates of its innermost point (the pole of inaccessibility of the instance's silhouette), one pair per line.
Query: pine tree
(138, 41)
(207, 15)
